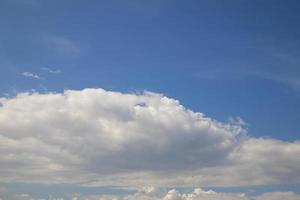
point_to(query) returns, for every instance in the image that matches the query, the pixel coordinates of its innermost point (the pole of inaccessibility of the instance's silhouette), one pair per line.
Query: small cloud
(51, 71)
(237, 121)
(31, 75)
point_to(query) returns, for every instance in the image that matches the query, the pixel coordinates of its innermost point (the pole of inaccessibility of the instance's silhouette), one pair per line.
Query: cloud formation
(173, 194)
(98, 137)
(237, 121)
(31, 75)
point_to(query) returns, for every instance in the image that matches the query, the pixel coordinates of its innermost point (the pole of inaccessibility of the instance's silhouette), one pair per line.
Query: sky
(161, 99)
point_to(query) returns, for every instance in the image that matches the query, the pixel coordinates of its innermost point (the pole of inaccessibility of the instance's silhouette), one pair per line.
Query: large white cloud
(99, 137)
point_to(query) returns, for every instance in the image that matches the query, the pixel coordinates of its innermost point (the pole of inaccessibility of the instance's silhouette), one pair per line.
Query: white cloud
(198, 194)
(237, 121)
(31, 75)
(51, 71)
(97, 137)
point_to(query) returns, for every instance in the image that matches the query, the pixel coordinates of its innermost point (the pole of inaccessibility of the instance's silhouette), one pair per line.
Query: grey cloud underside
(100, 137)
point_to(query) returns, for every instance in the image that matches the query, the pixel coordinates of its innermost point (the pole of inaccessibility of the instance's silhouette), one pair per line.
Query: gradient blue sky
(226, 59)
(223, 58)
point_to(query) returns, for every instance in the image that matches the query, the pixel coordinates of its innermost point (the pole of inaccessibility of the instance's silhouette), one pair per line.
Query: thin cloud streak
(51, 71)
(31, 75)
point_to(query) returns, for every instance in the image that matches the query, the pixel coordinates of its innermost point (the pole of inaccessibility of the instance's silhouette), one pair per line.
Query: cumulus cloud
(93, 136)
(31, 75)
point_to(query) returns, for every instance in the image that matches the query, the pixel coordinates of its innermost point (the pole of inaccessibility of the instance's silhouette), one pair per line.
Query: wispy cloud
(292, 81)
(51, 71)
(31, 75)
(61, 45)
(237, 121)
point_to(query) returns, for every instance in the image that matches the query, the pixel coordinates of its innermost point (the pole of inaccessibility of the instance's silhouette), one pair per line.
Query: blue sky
(235, 58)
(225, 59)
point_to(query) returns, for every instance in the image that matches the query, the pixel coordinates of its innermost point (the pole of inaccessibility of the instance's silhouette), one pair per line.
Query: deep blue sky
(222, 58)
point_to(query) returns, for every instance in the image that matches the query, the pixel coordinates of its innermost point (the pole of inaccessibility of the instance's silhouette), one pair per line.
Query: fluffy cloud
(100, 137)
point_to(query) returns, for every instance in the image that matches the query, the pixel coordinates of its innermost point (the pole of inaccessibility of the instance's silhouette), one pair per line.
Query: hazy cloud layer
(99, 137)
(197, 194)
(62, 46)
